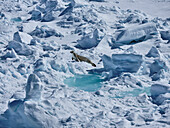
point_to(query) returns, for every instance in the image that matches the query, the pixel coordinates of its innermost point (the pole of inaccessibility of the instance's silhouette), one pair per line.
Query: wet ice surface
(88, 83)
(41, 86)
(93, 83)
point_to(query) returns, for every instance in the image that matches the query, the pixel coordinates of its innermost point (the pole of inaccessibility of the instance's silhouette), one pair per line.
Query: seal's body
(81, 58)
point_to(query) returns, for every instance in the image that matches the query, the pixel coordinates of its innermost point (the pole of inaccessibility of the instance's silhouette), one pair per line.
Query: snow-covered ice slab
(135, 34)
(122, 62)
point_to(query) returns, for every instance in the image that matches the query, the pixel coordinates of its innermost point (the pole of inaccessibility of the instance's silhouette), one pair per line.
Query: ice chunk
(48, 48)
(17, 37)
(9, 54)
(58, 67)
(156, 68)
(165, 35)
(161, 98)
(36, 15)
(142, 98)
(131, 116)
(134, 34)
(20, 48)
(22, 37)
(48, 17)
(2, 70)
(45, 32)
(69, 9)
(122, 62)
(89, 42)
(157, 89)
(65, 24)
(39, 65)
(153, 53)
(21, 69)
(51, 5)
(132, 19)
(160, 93)
(33, 87)
(33, 42)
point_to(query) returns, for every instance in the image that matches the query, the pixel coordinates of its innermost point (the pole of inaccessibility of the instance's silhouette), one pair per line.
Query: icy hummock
(41, 86)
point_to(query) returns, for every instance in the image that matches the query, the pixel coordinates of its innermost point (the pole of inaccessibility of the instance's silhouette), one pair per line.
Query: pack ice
(42, 87)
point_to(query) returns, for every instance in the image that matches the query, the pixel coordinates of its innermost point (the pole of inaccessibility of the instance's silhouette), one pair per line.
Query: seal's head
(71, 51)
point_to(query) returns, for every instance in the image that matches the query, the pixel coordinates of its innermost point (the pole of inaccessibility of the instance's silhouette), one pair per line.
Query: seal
(79, 58)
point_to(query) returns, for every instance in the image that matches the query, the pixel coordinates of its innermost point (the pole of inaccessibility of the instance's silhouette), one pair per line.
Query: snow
(41, 86)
